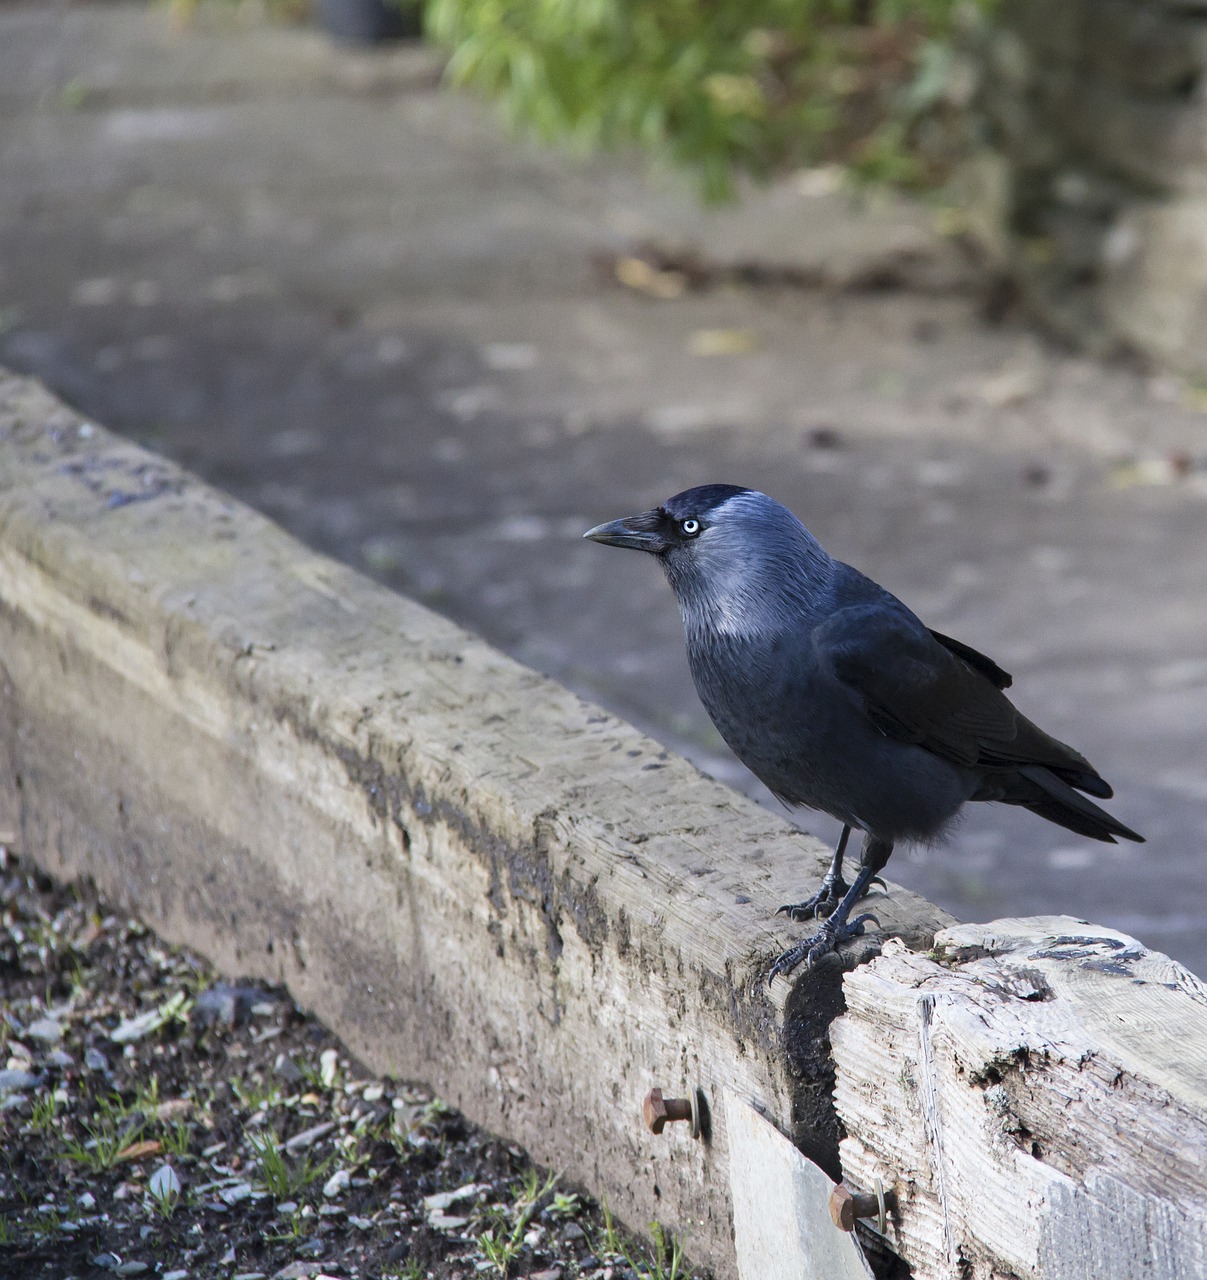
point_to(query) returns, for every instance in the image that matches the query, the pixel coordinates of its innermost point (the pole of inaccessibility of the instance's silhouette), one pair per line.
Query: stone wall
(1088, 182)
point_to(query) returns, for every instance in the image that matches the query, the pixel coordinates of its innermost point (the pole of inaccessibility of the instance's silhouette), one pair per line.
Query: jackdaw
(838, 698)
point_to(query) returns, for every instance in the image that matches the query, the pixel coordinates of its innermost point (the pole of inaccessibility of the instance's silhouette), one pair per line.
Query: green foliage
(721, 88)
(282, 1177)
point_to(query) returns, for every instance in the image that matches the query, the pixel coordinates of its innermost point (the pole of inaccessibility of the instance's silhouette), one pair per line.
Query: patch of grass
(284, 1178)
(116, 1126)
(260, 1095)
(177, 1139)
(44, 1112)
(501, 1243)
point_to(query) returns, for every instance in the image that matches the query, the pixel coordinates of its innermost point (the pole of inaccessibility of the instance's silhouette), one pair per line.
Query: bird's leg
(832, 890)
(838, 928)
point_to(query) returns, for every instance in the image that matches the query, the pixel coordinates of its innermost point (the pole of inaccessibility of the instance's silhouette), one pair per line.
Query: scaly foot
(822, 903)
(828, 938)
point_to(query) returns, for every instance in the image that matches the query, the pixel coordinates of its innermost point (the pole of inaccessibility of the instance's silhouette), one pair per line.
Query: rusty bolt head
(847, 1205)
(658, 1111)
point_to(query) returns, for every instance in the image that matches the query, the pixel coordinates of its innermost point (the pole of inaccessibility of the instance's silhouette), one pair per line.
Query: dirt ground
(345, 295)
(155, 1120)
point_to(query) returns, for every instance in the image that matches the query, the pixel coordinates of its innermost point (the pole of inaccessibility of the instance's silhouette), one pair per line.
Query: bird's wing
(923, 689)
(986, 666)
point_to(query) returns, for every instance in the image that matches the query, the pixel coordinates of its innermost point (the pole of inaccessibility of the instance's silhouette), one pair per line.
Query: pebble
(107, 1261)
(287, 1207)
(175, 1275)
(95, 1060)
(337, 1183)
(164, 1183)
(46, 1029)
(88, 1201)
(13, 1080)
(328, 1061)
(572, 1231)
(232, 1195)
(287, 1069)
(227, 1005)
(442, 1199)
(131, 1269)
(553, 1273)
(57, 1058)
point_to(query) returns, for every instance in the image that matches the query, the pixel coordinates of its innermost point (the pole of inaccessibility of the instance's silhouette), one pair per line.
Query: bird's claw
(825, 941)
(822, 903)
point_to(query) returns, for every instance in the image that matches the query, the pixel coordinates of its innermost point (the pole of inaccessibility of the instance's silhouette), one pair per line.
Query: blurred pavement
(348, 297)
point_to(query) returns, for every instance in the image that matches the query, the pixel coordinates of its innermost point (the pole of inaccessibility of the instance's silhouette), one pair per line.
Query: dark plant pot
(367, 21)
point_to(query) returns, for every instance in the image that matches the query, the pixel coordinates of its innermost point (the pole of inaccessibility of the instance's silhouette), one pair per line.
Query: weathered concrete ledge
(474, 877)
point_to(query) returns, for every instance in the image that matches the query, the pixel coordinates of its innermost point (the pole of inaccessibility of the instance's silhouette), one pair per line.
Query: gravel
(157, 1121)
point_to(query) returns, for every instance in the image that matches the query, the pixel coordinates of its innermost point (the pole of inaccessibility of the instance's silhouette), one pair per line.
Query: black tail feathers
(1054, 799)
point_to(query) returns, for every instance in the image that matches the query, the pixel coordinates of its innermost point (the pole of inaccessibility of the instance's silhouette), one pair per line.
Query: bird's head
(731, 554)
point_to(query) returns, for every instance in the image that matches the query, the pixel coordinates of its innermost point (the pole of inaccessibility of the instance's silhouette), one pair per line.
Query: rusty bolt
(847, 1205)
(659, 1111)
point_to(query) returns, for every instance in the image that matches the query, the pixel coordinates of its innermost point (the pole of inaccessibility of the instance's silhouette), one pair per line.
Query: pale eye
(689, 527)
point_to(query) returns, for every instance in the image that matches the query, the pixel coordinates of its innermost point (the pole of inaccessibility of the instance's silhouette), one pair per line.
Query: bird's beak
(641, 533)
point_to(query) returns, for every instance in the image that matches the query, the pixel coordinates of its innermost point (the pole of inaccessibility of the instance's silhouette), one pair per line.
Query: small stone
(57, 1058)
(308, 1137)
(88, 1201)
(164, 1184)
(362, 1224)
(328, 1061)
(553, 1273)
(287, 1207)
(15, 1081)
(287, 1069)
(131, 1269)
(233, 1195)
(45, 1029)
(373, 1093)
(107, 1261)
(130, 1030)
(337, 1183)
(175, 1275)
(572, 1231)
(445, 1222)
(442, 1199)
(95, 1060)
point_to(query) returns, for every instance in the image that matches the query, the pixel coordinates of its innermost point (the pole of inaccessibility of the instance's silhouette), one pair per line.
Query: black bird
(838, 698)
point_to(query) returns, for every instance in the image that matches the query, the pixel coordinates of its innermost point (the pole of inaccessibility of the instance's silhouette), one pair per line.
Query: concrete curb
(474, 877)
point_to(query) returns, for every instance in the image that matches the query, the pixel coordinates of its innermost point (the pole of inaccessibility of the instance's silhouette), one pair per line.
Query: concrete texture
(473, 876)
(347, 297)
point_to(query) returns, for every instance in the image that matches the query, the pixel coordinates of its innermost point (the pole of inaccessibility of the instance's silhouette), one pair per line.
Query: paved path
(349, 298)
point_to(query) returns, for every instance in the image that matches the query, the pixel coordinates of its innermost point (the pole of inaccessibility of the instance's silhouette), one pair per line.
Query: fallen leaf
(636, 273)
(140, 1150)
(722, 342)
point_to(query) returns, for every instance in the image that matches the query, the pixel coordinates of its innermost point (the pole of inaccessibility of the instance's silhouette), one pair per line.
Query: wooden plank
(476, 878)
(781, 1216)
(1035, 1091)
